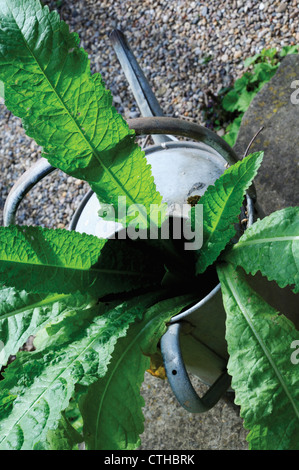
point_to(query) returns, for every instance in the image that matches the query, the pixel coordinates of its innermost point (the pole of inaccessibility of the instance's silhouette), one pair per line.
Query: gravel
(185, 48)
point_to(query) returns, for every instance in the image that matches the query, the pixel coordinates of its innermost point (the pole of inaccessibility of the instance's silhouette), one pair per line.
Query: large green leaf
(23, 314)
(59, 261)
(221, 208)
(67, 110)
(271, 245)
(38, 385)
(263, 376)
(111, 409)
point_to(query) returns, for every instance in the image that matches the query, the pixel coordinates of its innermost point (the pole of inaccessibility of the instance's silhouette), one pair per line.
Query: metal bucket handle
(177, 373)
(179, 379)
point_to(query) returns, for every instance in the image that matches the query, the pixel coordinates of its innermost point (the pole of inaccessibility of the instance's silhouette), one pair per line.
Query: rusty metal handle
(191, 130)
(183, 128)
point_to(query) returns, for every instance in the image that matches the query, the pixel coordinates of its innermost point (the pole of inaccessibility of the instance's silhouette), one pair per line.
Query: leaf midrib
(64, 106)
(115, 368)
(277, 239)
(215, 225)
(259, 340)
(87, 270)
(205, 253)
(55, 379)
(41, 303)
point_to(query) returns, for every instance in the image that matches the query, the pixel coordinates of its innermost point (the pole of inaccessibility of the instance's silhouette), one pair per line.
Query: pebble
(238, 54)
(282, 7)
(184, 49)
(204, 11)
